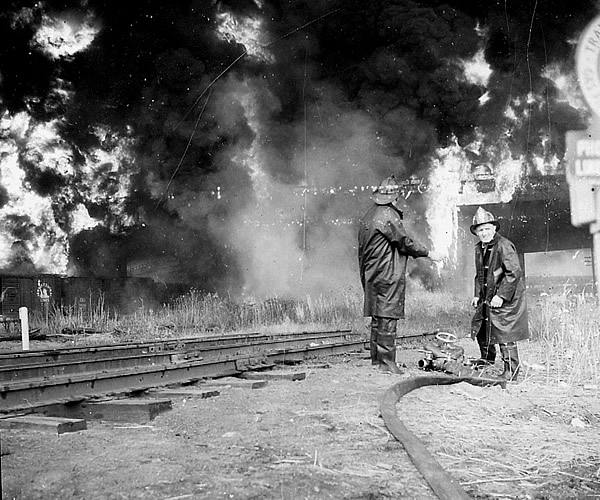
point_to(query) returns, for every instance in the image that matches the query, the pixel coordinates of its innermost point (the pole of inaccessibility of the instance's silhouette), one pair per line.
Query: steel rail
(40, 356)
(181, 367)
(93, 360)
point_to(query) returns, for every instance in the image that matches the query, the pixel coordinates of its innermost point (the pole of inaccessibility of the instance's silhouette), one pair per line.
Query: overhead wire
(529, 104)
(546, 181)
(304, 201)
(187, 147)
(218, 77)
(244, 54)
(513, 205)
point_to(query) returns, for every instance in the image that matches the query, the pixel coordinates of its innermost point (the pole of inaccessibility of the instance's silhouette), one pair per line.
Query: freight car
(47, 292)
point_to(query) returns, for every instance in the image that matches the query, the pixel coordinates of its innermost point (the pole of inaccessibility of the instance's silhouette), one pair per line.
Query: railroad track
(32, 379)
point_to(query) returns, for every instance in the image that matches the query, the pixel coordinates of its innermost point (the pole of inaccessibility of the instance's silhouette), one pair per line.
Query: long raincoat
(503, 277)
(383, 251)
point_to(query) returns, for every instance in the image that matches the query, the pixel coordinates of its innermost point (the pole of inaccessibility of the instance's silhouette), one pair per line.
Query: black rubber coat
(504, 278)
(383, 251)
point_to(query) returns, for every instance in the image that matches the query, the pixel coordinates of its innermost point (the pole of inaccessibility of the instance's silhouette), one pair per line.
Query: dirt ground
(323, 438)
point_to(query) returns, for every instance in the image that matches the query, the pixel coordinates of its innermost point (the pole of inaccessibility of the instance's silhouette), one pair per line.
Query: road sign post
(595, 230)
(583, 176)
(583, 146)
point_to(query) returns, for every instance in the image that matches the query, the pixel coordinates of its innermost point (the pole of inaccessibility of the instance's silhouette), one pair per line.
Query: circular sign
(587, 60)
(44, 291)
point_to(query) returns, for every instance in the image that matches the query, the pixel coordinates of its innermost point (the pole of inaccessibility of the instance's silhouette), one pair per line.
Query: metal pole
(595, 231)
(24, 327)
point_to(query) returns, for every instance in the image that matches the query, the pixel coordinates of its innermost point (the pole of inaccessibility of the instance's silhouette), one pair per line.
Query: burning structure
(232, 144)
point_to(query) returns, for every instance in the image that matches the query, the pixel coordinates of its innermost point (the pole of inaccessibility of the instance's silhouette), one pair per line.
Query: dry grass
(565, 330)
(513, 441)
(197, 314)
(438, 310)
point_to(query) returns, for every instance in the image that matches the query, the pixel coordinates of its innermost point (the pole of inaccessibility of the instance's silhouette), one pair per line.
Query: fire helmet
(387, 192)
(483, 217)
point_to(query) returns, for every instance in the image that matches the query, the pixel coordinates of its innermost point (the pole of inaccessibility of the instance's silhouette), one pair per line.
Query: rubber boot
(386, 353)
(488, 355)
(486, 348)
(510, 358)
(373, 342)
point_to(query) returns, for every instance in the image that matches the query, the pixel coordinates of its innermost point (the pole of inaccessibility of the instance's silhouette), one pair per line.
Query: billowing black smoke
(386, 72)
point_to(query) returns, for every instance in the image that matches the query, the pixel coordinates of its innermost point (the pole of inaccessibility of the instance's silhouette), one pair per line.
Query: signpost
(583, 147)
(583, 174)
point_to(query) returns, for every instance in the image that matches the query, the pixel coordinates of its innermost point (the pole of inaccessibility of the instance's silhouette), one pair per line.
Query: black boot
(373, 342)
(488, 355)
(510, 358)
(386, 353)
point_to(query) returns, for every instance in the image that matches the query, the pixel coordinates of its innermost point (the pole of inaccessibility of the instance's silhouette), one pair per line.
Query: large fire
(242, 142)
(65, 34)
(38, 219)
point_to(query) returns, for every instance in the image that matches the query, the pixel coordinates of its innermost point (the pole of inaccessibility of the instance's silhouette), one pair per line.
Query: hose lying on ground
(442, 484)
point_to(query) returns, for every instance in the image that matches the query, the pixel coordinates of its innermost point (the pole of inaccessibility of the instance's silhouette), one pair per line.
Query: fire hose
(440, 355)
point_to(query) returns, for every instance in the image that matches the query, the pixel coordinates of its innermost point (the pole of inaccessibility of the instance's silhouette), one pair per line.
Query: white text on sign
(587, 161)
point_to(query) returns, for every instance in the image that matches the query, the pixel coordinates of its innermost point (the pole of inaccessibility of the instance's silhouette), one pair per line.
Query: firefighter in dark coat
(501, 308)
(383, 251)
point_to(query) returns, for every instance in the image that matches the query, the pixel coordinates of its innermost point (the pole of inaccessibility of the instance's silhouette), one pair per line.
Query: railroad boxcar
(46, 292)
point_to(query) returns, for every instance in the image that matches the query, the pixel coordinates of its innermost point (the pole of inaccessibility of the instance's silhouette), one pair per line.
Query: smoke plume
(233, 144)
